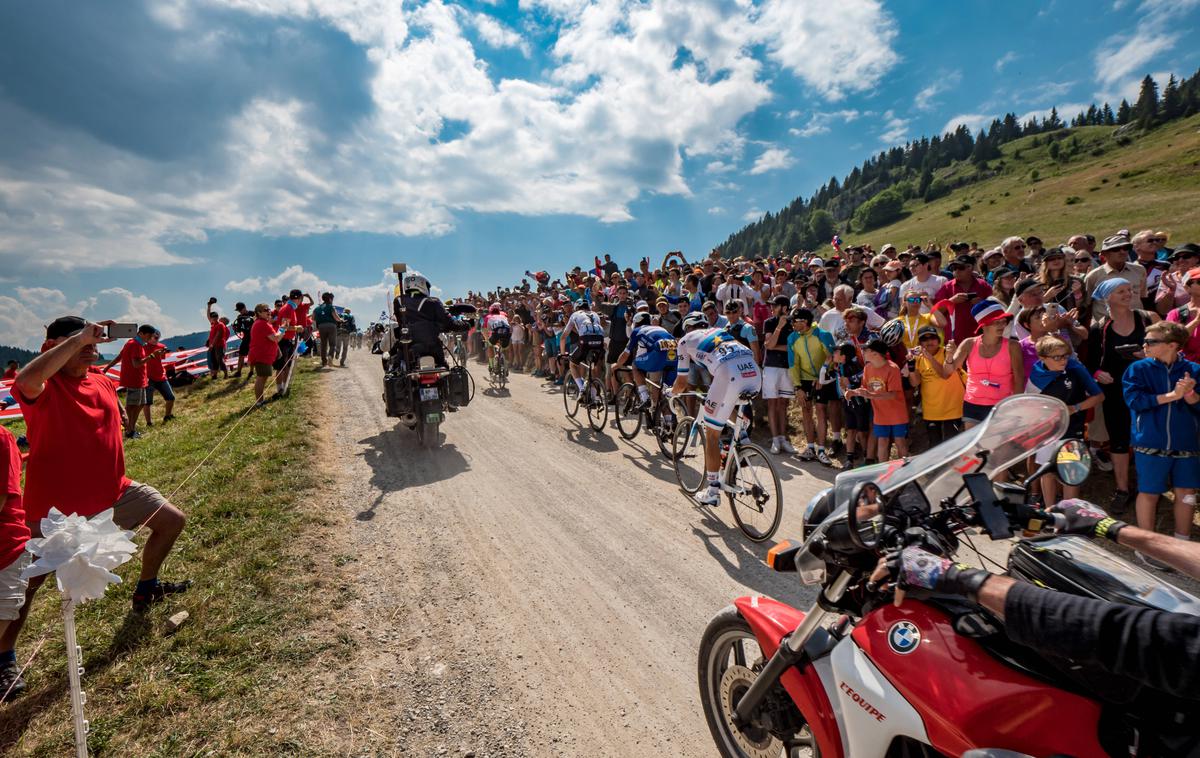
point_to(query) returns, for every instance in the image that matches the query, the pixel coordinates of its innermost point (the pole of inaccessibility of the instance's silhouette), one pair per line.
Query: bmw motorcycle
(857, 676)
(418, 391)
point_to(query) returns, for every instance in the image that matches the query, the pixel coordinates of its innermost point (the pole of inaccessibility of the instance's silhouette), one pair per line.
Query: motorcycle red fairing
(771, 621)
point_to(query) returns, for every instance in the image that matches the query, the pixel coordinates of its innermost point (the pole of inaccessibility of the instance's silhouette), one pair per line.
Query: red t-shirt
(287, 313)
(154, 368)
(1191, 350)
(888, 411)
(262, 348)
(13, 531)
(10, 374)
(302, 314)
(963, 323)
(133, 377)
(218, 334)
(76, 451)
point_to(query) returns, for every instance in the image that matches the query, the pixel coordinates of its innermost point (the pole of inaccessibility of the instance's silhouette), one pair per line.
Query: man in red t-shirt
(288, 321)
(76, 458)
(134, 357)
(156, 377)
(952, 303)
(13, 558)
(10, 371)
(218, 335)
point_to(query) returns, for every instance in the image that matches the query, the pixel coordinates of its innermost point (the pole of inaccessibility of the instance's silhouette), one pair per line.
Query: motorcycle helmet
(494, 308)
(694, 321)
(415, 282)
(641, 319)
(892, 332)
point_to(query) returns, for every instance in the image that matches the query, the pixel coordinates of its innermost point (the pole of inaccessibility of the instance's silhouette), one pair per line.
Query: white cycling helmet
(415, 282)
(641, 318)
(694, 321)
(892, 332)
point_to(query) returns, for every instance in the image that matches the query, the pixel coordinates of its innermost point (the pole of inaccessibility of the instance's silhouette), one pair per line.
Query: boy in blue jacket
(1161, 393)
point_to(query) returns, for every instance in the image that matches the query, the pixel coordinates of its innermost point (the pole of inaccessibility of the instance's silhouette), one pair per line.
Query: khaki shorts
(12, 588)
(133, 508)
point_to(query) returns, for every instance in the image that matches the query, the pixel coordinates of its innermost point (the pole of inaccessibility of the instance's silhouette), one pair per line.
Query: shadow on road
(723, 539)
(592, 440)
(398, 461)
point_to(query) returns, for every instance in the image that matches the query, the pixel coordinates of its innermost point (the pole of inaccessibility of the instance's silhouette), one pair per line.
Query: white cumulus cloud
(772, 159)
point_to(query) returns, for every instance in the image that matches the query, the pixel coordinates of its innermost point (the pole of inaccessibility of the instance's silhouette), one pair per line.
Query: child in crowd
(941, 386)
(1160, 389)
(856, 410)
(883, 385)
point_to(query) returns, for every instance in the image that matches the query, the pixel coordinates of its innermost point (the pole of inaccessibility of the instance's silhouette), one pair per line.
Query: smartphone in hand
(121, 331)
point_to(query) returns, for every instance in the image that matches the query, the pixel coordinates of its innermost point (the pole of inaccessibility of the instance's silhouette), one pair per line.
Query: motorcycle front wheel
(730, 660)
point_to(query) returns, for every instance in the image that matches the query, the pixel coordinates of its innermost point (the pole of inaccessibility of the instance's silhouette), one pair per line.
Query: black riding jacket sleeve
(1157, 648)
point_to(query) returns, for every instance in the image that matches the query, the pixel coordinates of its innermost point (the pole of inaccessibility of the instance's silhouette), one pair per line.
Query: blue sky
(156, 153)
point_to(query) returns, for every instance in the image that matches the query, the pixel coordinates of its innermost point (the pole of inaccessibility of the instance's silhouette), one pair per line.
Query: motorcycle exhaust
(408, 419)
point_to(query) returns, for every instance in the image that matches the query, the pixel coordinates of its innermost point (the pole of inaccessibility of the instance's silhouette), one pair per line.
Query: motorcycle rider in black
(426, 317)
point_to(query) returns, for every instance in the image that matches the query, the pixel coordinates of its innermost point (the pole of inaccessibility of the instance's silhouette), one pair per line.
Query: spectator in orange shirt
(883, 385)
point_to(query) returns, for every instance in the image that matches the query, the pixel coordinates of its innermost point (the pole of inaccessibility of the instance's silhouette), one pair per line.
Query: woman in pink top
(995, 367)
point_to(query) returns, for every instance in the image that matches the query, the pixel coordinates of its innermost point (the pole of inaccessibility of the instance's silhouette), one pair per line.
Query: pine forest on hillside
(889, 187)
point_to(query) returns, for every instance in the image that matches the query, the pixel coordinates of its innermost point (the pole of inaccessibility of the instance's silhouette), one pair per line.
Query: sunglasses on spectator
(1083, 259)
(1150, 341)
(912, 299)
(1159, 240)
(1057, 357)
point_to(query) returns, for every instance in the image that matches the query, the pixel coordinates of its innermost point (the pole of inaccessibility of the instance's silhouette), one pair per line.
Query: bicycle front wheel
(687, 453)
(627, 411)
(757, 496)
(570, 393)
(663, 427)
(597, 407)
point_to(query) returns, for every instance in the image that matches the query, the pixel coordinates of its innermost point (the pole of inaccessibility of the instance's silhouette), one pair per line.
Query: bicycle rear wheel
(687, 453)
(502, 372)
(570, 393)
(757, 503)
(663, 427)
(627, 411)
(597, 408)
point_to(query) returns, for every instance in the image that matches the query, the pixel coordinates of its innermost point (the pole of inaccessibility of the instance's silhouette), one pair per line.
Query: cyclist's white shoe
(775, 447)
(708, 496)
(786, 446)
(809, 454)
(823, 457)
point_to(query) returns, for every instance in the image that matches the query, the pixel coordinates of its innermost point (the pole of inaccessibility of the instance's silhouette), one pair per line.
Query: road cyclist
(498, 334)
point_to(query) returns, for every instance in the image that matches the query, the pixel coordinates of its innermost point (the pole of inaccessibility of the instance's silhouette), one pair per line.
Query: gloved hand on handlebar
(914, 568)
(1083, 518)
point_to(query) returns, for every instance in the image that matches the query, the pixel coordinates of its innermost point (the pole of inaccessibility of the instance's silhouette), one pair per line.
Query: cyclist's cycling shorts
(730, 380)
(590, 349)
(656, 361)
(501, 337)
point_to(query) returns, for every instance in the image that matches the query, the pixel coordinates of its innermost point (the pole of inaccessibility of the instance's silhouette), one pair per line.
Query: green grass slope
(1153, 181)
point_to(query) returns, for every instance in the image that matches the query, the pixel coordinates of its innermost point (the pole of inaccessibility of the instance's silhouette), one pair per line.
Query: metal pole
(74, 673)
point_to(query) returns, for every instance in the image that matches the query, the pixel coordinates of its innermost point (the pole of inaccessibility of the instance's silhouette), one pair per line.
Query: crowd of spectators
(926, 339)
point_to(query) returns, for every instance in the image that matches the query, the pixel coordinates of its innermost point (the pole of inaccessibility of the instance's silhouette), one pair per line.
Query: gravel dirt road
(531, 587)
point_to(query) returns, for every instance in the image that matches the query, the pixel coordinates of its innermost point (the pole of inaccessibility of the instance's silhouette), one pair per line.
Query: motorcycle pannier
(396, 395)
(458, 387)
(1075, 565)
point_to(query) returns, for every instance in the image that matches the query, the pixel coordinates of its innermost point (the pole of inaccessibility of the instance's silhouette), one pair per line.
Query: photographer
(77, 460)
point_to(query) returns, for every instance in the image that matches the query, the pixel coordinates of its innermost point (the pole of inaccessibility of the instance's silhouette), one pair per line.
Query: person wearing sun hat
(1188, 314)
(994, 364)
(1114, 251)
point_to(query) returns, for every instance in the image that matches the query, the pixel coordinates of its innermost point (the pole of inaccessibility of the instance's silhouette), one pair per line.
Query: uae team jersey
(712, 349)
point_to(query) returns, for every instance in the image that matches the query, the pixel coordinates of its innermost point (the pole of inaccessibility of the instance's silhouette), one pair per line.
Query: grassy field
(1154, 181)
(230, 681)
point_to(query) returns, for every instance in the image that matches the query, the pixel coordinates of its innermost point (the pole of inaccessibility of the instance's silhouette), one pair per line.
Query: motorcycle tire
(729, 642)
(431, 435)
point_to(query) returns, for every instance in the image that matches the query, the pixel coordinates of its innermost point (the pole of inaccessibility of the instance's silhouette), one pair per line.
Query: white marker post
(82, 553)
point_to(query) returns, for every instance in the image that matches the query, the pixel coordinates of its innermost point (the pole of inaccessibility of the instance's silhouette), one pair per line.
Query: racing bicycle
(748, 476)
(498, 371)
(593, 400)
(630, 415)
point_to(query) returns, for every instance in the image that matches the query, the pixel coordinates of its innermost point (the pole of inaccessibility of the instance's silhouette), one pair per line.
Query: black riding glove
(1083, 518)
(916, 568)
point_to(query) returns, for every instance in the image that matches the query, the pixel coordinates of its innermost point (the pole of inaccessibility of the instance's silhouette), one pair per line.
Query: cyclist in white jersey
(590, 348)
(734, 372)
(498, 333)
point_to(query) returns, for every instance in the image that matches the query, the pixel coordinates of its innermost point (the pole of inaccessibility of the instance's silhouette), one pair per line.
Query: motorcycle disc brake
(753, 740)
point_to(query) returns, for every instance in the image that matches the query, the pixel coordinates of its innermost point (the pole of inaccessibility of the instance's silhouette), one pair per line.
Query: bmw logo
(904, 637)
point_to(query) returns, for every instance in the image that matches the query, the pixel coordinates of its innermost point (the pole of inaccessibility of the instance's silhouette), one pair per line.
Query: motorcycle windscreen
(1016, 428)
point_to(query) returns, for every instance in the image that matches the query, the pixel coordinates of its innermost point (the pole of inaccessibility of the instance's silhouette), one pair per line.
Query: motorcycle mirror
(866, 503)
(1072, 462)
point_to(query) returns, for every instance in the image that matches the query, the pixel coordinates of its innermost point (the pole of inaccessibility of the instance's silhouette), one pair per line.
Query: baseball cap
(814, 261)
(926, 331)
(64, 326)
(1188, 249)
(885, 248)
(1192, 275)
(781, 300)
(1026, 285)
(963, 261)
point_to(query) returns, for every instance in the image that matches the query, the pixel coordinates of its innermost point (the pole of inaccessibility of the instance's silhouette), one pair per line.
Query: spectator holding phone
(218, 335)
(994, 365)
(76, 459)
(156, 378)
(941, 386)
(1188, 315)
(134, 357)
(1160, 390)
(241, 327)
(955, 299)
